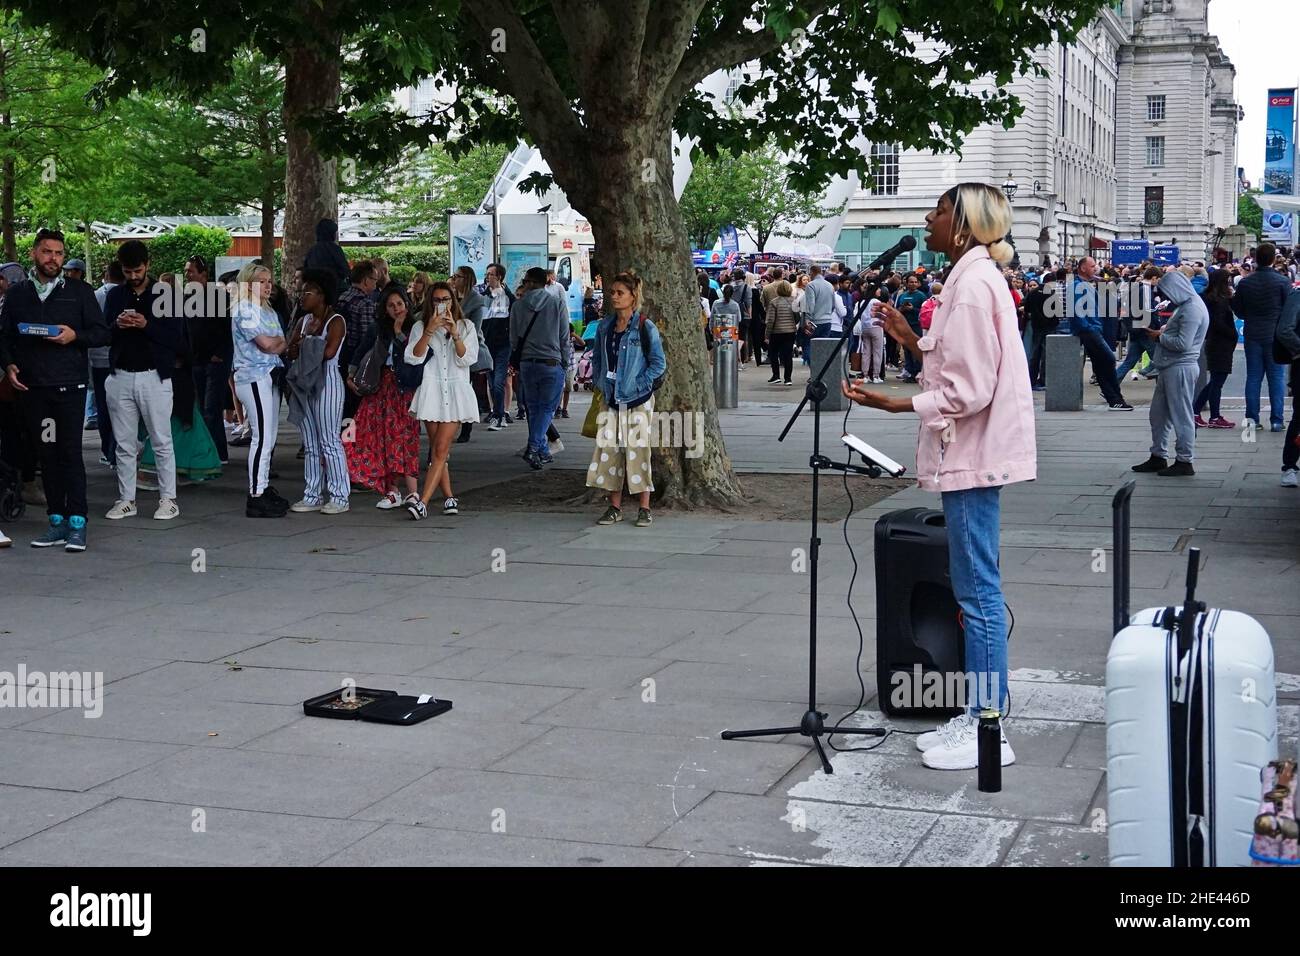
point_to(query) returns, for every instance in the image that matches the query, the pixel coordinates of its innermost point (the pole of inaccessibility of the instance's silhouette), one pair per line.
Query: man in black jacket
(1258, 303)
(327, 254)
(145, 342)
(49, 374)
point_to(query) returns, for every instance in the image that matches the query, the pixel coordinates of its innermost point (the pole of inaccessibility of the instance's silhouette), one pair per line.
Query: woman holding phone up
(977, 434)
(446, 344)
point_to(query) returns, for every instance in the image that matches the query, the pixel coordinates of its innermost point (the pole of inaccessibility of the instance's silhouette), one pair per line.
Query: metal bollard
(1064, 372)
(726, 374)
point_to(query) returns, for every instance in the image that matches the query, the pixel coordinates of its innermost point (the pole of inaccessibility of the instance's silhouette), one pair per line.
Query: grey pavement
(592, 675)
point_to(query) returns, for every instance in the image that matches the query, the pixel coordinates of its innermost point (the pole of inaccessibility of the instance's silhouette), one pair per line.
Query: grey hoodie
(1184, 334)
(549, 339)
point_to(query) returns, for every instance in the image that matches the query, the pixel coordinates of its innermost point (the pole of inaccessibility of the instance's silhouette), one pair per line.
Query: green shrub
(168, 252)
(420, 258)
(403, 274)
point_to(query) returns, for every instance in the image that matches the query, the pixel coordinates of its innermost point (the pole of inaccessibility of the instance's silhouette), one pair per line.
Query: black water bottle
(989, 748)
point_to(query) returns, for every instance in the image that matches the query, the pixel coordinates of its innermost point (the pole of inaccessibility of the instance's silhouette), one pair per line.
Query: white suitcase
(1191, 718)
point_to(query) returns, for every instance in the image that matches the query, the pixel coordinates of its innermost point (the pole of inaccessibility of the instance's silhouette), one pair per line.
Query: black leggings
(1211, 392)
(781, 352)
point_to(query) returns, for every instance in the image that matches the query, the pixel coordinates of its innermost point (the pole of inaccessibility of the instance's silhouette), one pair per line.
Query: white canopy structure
(1275, 202)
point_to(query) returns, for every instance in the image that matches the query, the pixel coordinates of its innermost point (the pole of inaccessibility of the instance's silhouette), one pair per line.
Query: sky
(1260, 38)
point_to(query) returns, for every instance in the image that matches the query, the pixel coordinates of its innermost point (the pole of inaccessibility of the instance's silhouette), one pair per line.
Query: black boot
(1152, 464)
(465, 430)
(1178, 469)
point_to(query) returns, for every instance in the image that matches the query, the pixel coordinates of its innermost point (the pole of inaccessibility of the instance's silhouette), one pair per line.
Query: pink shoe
(1201, 422)
(1222, 422)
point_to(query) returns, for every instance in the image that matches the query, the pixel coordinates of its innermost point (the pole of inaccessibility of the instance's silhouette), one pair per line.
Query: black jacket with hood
(41, 363)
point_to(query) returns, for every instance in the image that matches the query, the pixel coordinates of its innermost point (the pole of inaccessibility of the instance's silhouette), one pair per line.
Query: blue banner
(730, 239)
(706, 257)
(1279, 160)
(1167, 255)
(1129, 252)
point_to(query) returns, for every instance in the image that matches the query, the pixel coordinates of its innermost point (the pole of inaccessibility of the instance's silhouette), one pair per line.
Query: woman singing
(976, 435)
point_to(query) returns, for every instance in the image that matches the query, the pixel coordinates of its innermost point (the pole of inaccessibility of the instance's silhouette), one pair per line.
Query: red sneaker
(1222, 422)
(1201, 422)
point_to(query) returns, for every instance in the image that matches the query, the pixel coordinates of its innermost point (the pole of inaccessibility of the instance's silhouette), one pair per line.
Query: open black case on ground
(380, 706)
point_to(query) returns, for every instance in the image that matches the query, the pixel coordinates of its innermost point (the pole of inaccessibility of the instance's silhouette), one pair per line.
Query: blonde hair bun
(1001, 252)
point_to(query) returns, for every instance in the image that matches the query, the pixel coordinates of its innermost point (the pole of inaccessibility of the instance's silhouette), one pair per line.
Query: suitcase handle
(1120, 546)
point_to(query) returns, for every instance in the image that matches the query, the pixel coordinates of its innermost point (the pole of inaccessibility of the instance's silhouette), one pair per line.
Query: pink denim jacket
(977, 409)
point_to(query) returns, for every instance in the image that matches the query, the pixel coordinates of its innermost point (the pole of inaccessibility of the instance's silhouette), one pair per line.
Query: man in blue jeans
(539, 336)
(1258, 303)
(1085, 322)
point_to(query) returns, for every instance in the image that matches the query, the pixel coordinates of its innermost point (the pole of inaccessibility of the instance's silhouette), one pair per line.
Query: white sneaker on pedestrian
(555, 447)
(959, 748)
(495, 424)
(4, 541)
(935, 737)
(333, 507)
(389, 501)
(451, 507)
(123, 509)
(167, 509)
(304, 506)
(1291, 478)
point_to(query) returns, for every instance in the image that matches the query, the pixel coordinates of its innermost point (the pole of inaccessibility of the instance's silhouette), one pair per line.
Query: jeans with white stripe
(320, 436)
(261, 403)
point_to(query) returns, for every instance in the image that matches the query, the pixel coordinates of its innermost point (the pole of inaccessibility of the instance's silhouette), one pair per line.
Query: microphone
(906, 244)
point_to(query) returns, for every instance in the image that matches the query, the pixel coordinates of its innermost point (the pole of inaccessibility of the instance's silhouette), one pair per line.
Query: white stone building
(1131, 131)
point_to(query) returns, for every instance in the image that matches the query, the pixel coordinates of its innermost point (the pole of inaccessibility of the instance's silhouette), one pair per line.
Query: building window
(1155, 150)
(884, 169)
(1155, 108)
(1154, 214)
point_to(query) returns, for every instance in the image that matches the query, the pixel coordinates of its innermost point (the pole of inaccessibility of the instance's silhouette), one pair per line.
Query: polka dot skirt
(622, 456)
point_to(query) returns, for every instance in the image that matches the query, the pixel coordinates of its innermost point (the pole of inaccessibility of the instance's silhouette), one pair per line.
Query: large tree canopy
(599, 86)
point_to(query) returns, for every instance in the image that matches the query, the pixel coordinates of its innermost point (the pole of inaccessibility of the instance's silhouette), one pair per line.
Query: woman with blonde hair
(976, 435)
(445, 343)
(258, 341)
(419, 286)
(627, 362)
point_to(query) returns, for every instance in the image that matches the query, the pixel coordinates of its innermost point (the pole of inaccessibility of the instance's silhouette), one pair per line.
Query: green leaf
(888, 20)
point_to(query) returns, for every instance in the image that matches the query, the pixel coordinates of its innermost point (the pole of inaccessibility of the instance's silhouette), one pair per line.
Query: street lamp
(1009, 187)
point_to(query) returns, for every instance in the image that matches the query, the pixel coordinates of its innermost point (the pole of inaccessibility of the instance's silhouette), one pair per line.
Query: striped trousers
(320, 438)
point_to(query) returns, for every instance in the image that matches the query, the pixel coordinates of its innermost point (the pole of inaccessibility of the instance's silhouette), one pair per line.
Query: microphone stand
(813, 723)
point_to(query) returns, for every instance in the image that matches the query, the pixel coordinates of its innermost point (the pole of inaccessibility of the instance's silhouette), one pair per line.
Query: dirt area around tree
(769, 497)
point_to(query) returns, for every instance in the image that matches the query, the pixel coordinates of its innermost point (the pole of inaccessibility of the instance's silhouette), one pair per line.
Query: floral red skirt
(386, 440)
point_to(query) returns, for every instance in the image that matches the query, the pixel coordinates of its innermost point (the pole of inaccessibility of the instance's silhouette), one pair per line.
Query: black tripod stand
(813, 723)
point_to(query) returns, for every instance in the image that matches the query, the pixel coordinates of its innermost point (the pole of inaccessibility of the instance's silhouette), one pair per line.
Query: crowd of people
(174, 369)
(1174, 324)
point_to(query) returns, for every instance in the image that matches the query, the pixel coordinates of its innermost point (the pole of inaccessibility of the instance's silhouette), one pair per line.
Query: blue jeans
(973, 517)
(1260, 364)
(1103, 365)
(804, 342)
(497, 383)
(107, 446)
(1139, 344)
(543, 386)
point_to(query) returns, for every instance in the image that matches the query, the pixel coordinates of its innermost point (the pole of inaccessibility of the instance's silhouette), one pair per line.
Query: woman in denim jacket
(626, 373)
(976, 435)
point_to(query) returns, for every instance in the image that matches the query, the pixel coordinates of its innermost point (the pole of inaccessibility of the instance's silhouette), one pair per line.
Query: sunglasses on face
(441, 298)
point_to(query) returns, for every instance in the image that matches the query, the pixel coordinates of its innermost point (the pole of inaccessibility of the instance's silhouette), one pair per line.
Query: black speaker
(920, 646)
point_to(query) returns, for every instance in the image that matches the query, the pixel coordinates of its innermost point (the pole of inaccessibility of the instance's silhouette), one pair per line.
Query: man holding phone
(49, 374)
(145, 342)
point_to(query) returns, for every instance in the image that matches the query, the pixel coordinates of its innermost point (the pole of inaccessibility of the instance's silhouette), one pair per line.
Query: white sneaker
(4, 541)
(555, 447)
(389, 501)
(959, 749)
(304, 506)
(123, 509)
(451, 507)
(333, 507)
(1291, 478)
(935, 737)
(495, 424)
(167, 509)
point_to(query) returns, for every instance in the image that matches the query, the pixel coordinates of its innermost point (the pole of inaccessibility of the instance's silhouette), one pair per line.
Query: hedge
(168, 252)
(416, 258)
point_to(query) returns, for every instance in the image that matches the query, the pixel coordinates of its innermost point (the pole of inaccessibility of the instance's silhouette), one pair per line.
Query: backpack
(645, 353)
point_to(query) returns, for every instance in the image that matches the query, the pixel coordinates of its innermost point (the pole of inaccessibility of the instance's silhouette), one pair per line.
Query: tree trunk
(90, 256)
(268, 194)
(637, 225)
(311, 83)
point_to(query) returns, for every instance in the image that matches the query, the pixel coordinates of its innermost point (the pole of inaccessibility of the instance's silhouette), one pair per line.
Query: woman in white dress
(446, 344)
